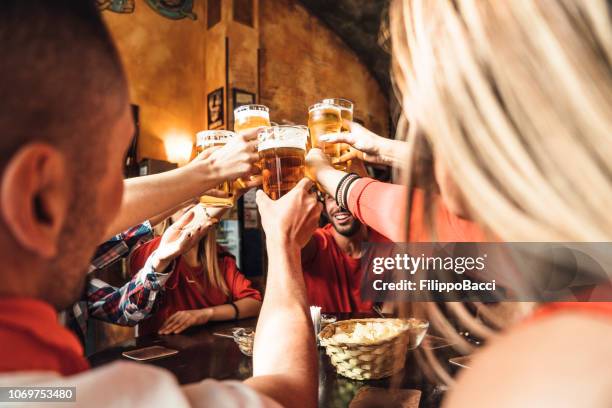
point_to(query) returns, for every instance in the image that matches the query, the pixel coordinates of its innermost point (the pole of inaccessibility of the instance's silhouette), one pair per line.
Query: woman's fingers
(172, 326)
(181, 327)
(169, 322)
(206, 153)
(184, 220)
(216, 193)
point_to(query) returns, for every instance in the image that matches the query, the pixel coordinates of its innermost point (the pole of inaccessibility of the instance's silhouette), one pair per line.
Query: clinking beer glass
(282, 153)
(247, 117)
(208, 139)
(324, 118)
(346, 113)
(250, 116)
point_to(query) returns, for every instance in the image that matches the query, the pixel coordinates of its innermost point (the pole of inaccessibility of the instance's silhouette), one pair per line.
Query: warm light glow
(179, 147)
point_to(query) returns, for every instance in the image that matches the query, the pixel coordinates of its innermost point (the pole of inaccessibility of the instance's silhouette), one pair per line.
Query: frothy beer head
(211, 138)
(282, 151)
(251, 116)
(346, 109)
(216, 138)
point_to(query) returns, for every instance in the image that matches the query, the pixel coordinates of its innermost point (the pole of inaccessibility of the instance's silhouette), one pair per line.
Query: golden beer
(324, 118)
(282, 152)
(346, 113)
(208, 139)
(250, 116)
(247, 117)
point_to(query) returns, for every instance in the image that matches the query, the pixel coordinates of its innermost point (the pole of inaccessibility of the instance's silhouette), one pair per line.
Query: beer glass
(325, 118)
(207, 139)
(250, 116)
(247, 117)
(282, 153)
(346, 113)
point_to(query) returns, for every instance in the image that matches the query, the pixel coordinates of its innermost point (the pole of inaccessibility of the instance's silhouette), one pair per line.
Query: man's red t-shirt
(31, 339)
(333, 278)
(188, 288)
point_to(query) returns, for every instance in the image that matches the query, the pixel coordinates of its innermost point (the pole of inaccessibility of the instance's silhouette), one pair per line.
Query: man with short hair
(65, 127)
(332, 261)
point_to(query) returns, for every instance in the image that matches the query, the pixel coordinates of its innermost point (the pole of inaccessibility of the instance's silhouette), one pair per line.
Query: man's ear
(34, 197)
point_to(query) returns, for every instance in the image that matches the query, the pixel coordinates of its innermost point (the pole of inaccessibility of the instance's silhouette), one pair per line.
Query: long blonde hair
(516, 98)
(209, 257)
(207, 254)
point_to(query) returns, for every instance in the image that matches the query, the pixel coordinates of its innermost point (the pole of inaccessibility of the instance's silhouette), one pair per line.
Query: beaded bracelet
(342, 189)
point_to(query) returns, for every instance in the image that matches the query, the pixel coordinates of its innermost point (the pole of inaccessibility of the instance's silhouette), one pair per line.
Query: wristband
(347, 186)
(339, 189)
(342, 190)
(236, 311)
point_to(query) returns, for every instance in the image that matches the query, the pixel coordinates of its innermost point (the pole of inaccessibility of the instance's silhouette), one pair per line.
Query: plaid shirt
(133, 301)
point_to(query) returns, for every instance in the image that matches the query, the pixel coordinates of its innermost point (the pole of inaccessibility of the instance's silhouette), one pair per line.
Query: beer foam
(276, 144)
(242, 115)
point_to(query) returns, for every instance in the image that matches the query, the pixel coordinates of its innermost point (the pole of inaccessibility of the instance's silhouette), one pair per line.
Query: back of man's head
(62, 131)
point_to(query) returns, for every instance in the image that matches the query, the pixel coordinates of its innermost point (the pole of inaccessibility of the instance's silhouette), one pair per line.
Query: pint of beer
(207, 139)
(324, 118)
(250, 116)
(247, 117)
(282, 152)
(346, 113)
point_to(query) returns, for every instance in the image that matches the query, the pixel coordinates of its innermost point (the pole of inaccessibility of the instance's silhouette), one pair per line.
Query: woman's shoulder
(553, 348)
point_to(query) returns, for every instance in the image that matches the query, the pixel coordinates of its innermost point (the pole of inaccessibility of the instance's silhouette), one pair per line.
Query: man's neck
(351, 245)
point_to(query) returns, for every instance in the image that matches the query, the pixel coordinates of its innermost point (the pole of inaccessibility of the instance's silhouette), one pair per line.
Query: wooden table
(203, 355)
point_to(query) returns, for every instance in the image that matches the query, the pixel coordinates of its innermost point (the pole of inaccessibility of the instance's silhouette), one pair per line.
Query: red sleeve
(380, 206)
(238, 284)
(140, 254)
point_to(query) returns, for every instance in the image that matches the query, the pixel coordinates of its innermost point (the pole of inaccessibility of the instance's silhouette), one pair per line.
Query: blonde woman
(515, 100)
(205, 283)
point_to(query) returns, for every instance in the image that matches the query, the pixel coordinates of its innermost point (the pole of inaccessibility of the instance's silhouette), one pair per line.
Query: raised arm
(380, 206)
(147, 196)
(132, 302)
(284, 359)
(370, 147)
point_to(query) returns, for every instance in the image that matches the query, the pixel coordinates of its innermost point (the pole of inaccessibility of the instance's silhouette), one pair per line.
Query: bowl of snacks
(369, 349)
(244, 339)
(327, 319)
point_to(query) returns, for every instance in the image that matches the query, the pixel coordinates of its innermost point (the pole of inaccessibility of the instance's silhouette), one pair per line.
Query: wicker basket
(374, 360)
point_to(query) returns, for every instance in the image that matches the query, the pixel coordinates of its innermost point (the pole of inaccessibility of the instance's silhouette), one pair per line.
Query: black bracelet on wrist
(347, 186)
(342, 190)
(236, 311)
(339, 188)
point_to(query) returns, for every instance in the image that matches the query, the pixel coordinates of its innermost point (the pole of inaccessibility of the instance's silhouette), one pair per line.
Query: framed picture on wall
(241, 97)
(214, 106)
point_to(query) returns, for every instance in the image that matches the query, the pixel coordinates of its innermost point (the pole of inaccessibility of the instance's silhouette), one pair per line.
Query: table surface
(204, 355)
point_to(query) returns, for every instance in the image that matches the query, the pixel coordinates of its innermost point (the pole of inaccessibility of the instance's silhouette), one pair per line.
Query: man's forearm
(148, 196)
(285, 346)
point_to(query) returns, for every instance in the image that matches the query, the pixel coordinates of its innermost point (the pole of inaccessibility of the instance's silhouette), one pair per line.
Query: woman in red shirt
(205, 285)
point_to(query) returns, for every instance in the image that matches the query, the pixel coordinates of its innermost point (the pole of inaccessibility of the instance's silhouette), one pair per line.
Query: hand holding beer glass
(209, 139)
(249, 117)
(282, 151)
(326, 117)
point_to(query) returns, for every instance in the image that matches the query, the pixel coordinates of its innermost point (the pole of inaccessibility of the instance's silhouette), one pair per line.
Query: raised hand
(237, 158)
(365, 145)
(292, 218)
(181, 236)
